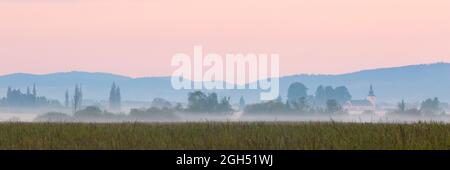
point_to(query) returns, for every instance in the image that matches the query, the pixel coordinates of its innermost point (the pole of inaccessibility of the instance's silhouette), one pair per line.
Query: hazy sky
(139, 37)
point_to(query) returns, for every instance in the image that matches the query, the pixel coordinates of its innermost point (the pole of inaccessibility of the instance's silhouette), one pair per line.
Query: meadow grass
(224, 135)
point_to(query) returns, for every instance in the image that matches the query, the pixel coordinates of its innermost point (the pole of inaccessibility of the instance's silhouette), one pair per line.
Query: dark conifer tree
(66, 102)
(114, 97)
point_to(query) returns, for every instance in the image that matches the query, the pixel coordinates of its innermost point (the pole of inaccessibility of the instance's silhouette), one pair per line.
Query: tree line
(28, 99)
(198, 102)
(326, 100)
(430, 106)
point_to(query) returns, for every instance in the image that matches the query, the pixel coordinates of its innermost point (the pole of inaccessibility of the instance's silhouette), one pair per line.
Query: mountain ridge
(390, 83)
(300, 74)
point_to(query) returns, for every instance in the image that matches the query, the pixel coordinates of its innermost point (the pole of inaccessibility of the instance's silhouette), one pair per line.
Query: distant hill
(412, 83)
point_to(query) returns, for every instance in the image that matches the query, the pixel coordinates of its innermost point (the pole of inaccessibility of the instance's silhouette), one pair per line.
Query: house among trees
(368, 104)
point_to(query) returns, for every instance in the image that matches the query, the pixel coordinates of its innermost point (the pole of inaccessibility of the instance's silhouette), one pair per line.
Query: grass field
(224, 136)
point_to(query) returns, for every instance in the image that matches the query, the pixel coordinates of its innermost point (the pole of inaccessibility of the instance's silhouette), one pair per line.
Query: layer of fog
(242, 117)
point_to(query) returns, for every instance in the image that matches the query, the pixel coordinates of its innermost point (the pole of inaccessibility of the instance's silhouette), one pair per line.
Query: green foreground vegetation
(226, 135)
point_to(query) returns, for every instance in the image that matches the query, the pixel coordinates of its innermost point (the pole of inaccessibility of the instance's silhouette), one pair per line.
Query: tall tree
(224, 105)
(114, 97)
(320, 95)
(118, 98)
(295, 91)
(197, 101)
(241, 103)
(66, 102)
(34, 94)
(401, 106)
(77, 98)
(212, 102)
(8, 94)
(34, 90)
(329, 93)
(430, 106)
(341, 94)
(200, 102)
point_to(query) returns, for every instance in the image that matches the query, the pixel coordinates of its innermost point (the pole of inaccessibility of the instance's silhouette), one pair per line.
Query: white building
(368, 104)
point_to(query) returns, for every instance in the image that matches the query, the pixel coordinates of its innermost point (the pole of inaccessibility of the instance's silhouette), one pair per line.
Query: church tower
(371, 97)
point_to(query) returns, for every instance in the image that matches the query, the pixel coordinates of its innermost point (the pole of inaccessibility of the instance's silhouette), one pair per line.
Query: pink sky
(139, 37)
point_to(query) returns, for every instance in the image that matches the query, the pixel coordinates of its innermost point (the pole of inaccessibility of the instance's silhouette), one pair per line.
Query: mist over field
(391, 108)
(224, 75)
(31, 117)
(390, 95)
